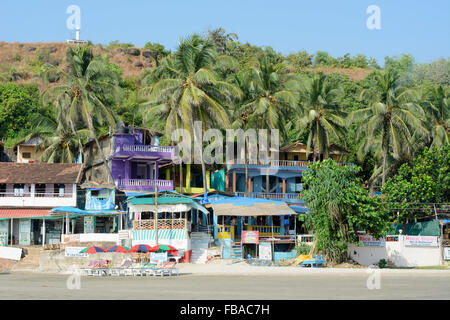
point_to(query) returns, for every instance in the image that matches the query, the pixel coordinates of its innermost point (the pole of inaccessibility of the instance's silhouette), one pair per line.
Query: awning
(72, 210)
(23, 213)
(243, 206)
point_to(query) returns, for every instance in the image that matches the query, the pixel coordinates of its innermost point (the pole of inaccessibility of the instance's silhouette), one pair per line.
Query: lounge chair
(314, 262)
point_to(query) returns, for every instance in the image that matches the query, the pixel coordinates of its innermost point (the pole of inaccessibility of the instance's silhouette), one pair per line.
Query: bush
(382, 263)
(303, 249)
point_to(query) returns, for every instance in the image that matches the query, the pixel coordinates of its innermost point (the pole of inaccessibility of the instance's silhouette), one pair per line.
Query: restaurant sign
(421, 241)
(74, 252)
(250, 237)
(369, 241)
(158, 257)
(265, 250)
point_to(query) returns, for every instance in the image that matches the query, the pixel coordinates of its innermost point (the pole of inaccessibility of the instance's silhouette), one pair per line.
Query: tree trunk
(383, 177)
(181, 176)
(103, 158)
(246, 165)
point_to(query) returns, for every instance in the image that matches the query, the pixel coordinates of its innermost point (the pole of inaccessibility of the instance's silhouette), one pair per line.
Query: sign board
(71, 238)
(421, 241)
(369, 241)
(3, 238)
(158, 257)
(74, 252)
(10, 253)
(24, 232)
(4, 232)
(250, 237)
(446, 253)
(89, 224)
(265, 250)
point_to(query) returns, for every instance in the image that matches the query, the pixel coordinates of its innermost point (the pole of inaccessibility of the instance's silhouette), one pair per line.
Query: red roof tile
(24, 213)
(11, 172)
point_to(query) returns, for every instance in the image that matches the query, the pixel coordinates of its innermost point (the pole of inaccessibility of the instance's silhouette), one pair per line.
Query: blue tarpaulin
(83, 212)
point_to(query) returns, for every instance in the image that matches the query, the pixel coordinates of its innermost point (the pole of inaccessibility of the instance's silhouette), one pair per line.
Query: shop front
(249, 226)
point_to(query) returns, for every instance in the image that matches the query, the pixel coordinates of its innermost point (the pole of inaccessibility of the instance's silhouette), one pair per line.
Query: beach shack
(164, 218)
(244, 226)
(28, 193)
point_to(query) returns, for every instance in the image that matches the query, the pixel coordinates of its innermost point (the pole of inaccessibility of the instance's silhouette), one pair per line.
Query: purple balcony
(145, 185)
(143, 152)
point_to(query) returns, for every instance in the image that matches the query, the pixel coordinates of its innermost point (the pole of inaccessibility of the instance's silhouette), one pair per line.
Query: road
(408, 284)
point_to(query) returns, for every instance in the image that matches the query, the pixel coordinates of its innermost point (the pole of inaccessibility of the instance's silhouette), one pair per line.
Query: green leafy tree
(425, 180)
(390, 119)
(189, 90)
(17, 104)
(83, 95)
(340, 208)
(319, 112)
(437, 103)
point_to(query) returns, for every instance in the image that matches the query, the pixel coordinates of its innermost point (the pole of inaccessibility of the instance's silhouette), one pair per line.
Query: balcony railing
(270, 196)
(278, 163)
(147, 148)
(37, 195)
(145, 184)
(149, 224)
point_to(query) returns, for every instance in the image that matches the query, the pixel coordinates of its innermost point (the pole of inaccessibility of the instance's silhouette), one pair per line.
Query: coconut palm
(391, 115)
(84, 93)
(59, 143)
(319, 112)
(439, 115)
(268, 99)
(189, 90)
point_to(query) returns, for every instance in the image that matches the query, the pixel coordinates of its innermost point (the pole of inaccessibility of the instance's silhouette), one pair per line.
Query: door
(141, 171)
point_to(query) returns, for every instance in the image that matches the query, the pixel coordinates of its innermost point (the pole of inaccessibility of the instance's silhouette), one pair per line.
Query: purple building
(133, 156)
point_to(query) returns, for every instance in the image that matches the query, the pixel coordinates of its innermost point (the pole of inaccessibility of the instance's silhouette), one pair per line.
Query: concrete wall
(397, 253)
(91, 237)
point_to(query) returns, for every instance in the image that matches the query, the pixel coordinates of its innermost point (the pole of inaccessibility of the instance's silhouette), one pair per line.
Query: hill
(23, 62)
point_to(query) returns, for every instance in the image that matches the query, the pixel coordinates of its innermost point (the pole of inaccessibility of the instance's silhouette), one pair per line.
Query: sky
(419, 28)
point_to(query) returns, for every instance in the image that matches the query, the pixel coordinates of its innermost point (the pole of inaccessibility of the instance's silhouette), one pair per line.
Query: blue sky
(338, 27)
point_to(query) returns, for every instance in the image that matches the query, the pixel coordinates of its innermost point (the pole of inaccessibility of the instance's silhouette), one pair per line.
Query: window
(94, 193)
(40, 190)
(59, 189)
(19, 189)
(2, 190)
(26, 155)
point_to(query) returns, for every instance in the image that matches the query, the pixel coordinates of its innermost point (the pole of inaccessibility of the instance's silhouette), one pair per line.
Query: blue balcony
(285, 165)
(286, 197)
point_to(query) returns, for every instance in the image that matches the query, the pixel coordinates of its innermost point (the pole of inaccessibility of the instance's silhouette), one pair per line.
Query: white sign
(10, 253)
(158, 257)
(369, 241)
(74, 252)
(265, 250)
(446, 253)
(421, 241)
(24, 232)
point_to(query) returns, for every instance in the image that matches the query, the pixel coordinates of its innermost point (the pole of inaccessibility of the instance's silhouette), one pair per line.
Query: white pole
(67, 223)
(43, 232)
(12, 231)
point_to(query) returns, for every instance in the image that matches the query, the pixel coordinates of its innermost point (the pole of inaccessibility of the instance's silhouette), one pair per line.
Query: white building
(28, 191)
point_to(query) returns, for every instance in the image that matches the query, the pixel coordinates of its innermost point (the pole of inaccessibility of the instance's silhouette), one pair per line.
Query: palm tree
(439, 115)
(83, 95)
(392, 117)
(189, 90)
(319, 112)
(269, 97)
(59, 143)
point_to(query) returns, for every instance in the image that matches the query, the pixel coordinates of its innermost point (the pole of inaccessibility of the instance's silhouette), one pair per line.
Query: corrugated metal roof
(250, 207)
(24, 213)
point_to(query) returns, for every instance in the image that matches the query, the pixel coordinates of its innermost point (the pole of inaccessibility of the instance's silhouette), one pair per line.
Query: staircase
(199, 246)
(236, 251)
